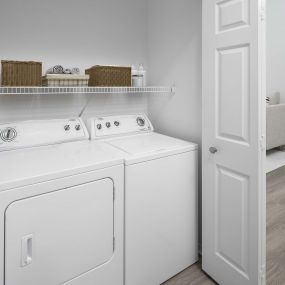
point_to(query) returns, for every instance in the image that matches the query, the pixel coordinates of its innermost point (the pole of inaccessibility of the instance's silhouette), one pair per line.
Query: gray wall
(165, 35)
(276, 47)
(174, 57)
(72, 33)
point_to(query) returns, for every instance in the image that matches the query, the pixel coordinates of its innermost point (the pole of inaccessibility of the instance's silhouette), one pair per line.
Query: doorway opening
(275, 142)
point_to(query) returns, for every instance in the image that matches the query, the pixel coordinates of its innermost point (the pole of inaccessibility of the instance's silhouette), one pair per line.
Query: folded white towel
(67, 71)
(57, 69)
(75, 70)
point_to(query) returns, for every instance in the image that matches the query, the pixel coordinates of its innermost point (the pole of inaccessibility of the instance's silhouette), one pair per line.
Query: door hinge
(262, 14)
(114, 243)
(262, 143)
(262, 275)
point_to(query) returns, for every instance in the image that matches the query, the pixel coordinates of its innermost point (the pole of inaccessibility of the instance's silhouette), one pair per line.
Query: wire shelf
(84, 90)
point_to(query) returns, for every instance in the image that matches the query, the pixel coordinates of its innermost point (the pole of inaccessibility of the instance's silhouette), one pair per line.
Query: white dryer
(160, 197)
(61, 206)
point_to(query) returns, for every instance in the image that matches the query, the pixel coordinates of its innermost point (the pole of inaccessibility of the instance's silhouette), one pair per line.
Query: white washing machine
(61, 206)
(160, 197)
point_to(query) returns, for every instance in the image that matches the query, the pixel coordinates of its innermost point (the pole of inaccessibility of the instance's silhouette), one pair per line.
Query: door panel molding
(231, 236)
(232, 93)
(231, 14)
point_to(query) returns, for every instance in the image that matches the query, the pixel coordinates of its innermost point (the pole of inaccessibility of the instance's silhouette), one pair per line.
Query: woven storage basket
(109, 76)
(21, 73)
(68, 80)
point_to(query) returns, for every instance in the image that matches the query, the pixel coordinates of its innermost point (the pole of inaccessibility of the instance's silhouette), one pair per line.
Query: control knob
(67, 127)
(8, 134)
(77, 127)
(108, 124)
(141, 121)
(116, 123)
(99, 126)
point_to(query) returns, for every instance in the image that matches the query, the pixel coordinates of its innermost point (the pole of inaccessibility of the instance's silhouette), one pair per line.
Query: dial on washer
(67, 127)
(8, 134)
(141, 121)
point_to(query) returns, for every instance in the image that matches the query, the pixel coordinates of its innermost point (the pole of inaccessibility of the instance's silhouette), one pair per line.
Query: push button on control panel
(141, 121)
(8, 134)
(67, 127)
(78, 127)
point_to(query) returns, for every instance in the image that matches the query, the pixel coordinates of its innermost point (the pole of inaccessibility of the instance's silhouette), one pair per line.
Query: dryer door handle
(27, 250)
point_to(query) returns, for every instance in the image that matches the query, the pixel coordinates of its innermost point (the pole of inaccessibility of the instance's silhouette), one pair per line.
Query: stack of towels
(59, 69)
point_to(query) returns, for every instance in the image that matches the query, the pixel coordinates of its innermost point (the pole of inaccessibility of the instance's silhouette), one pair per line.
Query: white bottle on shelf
(142, 73)
(138, 76)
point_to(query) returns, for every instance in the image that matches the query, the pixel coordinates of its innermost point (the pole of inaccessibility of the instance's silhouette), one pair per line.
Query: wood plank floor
(275, 250)
(191, 276)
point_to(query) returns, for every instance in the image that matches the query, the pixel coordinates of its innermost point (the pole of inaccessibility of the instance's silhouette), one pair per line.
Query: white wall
(72, 33)
(174, 50)
(164, 33)
(175, 56)
(276, 47)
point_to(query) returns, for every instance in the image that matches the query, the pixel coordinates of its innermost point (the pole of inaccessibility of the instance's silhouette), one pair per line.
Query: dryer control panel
(41, 132)
(110, 126)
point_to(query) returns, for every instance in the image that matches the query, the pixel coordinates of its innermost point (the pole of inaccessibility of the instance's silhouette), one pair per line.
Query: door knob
(213, 150)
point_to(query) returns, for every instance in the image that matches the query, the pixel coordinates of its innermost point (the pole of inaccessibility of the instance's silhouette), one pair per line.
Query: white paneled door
(233, 154)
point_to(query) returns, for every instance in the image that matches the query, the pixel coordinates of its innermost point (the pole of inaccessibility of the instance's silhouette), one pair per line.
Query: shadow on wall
(174, 57)
(75, 33)
(27, 107)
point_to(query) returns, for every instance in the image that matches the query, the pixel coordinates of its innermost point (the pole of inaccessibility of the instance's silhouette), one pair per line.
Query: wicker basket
(21, 73)
(109, 76)
(65, 80)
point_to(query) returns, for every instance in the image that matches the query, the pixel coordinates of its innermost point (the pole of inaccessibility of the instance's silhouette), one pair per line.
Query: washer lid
(150, 146)
(34, 165)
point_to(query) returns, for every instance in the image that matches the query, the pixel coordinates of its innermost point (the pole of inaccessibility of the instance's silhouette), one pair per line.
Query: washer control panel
(41, 132)
(109, 126)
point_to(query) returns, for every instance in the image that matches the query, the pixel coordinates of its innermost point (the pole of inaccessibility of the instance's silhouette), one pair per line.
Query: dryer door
(53, 238)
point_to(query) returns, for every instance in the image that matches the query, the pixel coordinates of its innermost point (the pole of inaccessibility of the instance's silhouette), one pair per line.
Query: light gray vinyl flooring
(191, 276)
(275, 247)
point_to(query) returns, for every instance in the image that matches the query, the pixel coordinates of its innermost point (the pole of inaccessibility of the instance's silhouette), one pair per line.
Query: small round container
(137, 81)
